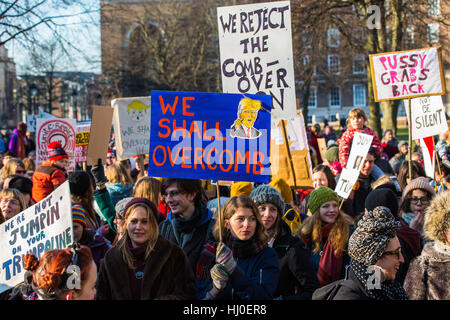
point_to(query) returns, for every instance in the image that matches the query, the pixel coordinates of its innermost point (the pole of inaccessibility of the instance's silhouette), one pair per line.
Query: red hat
(56, 152)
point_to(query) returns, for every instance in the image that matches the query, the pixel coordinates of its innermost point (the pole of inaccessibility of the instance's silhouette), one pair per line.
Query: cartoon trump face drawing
(137, 110)
(247, 115)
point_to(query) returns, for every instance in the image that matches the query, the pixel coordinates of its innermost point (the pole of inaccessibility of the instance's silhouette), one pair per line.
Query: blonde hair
(153, 234)
(311, 229)
(29, 163)
(148, 187)
(11, 166)
(356, 113)
(15, 194)
(117, 173)
(229, 210)
(385, 178)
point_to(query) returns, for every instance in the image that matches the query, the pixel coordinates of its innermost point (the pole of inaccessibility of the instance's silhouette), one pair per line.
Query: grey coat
(428, 275)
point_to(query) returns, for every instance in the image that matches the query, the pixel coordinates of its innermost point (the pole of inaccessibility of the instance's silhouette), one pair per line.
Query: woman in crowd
(55, 275)
(297, 277)
(119, 219)
(428, 276)
(12, 203)
(242, 267)
(417, 170)
(148, 187)
(119, 183)
(13, 166)
(143, 265)
(389, 143)
(323, 176)
(416, 199)
(375, 257)
(326, 234)
(30, 166)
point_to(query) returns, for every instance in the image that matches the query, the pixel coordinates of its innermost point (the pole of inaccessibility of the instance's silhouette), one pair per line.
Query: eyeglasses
(21, 171)
(397, 253)
(423, 200)
(172, 194)
(12, 201)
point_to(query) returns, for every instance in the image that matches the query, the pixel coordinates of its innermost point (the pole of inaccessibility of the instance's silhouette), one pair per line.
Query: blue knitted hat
(268, 194)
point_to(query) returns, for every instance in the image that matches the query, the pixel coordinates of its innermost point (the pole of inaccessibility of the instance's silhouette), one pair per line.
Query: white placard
(256, 53)
(360, 146)
(55, 129)
(131, 122)
(428, 116)
(407, 74)
(44, 226)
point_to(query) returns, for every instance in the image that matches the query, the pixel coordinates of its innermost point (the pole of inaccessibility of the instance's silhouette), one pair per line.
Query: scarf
(390, 290)
(184, 229)
(21, 150)
(410, 236)
(136, 275)
(330, 265)
(241, 249)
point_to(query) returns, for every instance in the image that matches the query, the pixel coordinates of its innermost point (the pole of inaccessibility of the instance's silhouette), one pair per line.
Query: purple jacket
(14, 142)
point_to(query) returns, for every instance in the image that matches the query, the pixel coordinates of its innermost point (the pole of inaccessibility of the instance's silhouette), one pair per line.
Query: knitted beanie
(372, 235)
(268, 194)
(383, 197)
(282, 186)
(56, 152)
(241, 188)
(332, 154)
(79, 182)
(418, 183)
(319, 196)
(79, 215)
(120, 206)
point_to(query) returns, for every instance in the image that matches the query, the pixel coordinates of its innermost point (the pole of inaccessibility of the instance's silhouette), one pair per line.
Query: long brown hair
(311, 230)
(148, 187)
(229, 210)
(117, 173)
(153, 233)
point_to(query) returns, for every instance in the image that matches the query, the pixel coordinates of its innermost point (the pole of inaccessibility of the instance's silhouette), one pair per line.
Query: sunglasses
(423, 200)
(397, 253)
(21, 171)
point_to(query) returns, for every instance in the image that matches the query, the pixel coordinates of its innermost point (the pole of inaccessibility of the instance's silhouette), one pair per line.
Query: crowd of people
(139, 237)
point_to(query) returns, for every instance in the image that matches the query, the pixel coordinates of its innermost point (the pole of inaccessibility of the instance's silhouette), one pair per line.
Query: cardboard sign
(428, 117)
(131, 123)
(213, 136)
(429, 159)
(256, 53)
(99, 134)
(82, 141)
(31, 122)
(47, 225)
(322, 147)
(49, 130)
(349, 175)
(407, 74)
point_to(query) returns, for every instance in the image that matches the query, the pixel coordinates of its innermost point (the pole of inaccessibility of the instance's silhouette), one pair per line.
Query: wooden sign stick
(219, 212)
(289, 152)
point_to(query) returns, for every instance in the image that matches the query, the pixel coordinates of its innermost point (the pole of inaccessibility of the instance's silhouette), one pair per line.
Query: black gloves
(99, 173)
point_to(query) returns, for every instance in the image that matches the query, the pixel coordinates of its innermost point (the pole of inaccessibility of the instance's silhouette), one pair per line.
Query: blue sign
(213, 136)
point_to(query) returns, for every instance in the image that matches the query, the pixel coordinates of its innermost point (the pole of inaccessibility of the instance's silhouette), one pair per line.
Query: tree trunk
(390, 109)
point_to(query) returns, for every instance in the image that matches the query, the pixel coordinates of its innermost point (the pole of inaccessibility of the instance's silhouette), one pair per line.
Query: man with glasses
(50, 174)
(189, 221)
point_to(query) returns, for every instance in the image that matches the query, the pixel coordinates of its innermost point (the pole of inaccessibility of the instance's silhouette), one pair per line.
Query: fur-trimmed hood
(437, 217)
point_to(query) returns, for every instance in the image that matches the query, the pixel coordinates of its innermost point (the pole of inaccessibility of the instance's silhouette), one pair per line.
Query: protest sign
(131, 121)
(407, 74)
(349, 175)
(47, 225)
(429, 159)
(49, 130)
(82, 141)
(322, 147)
(99, 134)
(428, 117)
(256, 53)
(213, 136)
(31, 122)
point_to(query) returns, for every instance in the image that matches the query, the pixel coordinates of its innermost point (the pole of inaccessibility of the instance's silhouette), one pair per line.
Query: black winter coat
(353, 289)
(297, 277)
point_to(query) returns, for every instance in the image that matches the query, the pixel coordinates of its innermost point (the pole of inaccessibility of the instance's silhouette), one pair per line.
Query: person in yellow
(247, 115)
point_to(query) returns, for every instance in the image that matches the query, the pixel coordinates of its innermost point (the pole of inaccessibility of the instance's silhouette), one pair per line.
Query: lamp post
(33, 91)
(74, 102)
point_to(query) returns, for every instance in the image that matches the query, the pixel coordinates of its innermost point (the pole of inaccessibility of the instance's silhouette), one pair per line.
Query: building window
(333, 64)
(359, 64)
(433, 32)
(309, 120)
(312, 101)
(333, 38)
(333, 118)
(433, 7)
(306, 62)
(359, 95)
(307, 38)
(335, 97)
